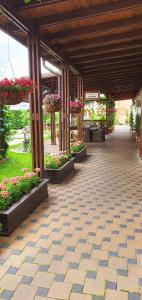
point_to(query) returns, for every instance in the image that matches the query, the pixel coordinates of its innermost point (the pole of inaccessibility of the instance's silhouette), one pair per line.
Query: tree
(5, 130)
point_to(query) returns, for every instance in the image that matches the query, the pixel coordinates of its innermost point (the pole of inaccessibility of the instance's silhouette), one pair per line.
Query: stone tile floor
(85, 242)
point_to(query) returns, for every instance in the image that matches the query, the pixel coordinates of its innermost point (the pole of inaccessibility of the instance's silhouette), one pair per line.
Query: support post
(65, 113)
(36, 103)
(53, 129)
(140, 146)
(80, 118)
(60, 114)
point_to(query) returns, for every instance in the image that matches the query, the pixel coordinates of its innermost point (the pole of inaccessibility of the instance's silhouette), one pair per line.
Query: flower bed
(52, 103)
(58, 167)
(18, 197)
(78, 150)
(14, 91)
(75, 106)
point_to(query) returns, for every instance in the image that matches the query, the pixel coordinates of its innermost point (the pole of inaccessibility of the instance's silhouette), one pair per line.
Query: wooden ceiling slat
(95, 29)
(118, 66)
(86, 13)
(112, 62)
(102, 41)
(106, 49)
(98, 58)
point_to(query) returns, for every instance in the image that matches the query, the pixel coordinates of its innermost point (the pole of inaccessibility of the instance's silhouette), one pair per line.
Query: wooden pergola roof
(101, 39)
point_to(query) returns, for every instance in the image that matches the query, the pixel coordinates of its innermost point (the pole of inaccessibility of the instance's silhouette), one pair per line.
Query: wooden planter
(13, 216)
(58, 175)
(11, 100)
(52, 108)
(75, 110)
(110, 130)
(80, 155)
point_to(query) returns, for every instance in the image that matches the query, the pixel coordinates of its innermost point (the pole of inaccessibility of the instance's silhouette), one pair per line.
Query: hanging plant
(14, 91)
(75, 106)
(52, 103)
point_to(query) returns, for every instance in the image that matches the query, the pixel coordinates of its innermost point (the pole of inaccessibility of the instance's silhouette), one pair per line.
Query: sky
(14, 58)
(15, 54)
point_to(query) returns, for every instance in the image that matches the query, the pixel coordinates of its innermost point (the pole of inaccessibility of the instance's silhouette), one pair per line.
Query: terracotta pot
(11, 100)
(52, 108)
(75, 110)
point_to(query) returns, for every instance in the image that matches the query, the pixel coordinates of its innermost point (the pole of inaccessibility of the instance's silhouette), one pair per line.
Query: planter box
(13, 216)
(80, 155)
(58, 175)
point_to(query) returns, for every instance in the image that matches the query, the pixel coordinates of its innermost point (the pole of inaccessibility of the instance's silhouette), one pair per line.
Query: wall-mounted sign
(92, 95)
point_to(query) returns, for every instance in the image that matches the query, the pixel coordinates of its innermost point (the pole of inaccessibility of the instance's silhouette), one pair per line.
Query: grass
(14, 163)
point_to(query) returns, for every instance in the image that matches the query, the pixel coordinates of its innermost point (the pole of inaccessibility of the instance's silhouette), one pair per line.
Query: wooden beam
(100, 41)
(115, 72)
(84, 53)
(38, 4)
(102, 57)
(93, 30)
(127, 74)
(85, 13)
(121, 66)
(116, 61)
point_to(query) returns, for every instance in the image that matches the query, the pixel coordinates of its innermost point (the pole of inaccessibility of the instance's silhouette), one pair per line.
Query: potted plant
(75, 106)
(78, 150)
(111, 112)
(58, 166)
(52, 103)
(19, 196)
(14, 91)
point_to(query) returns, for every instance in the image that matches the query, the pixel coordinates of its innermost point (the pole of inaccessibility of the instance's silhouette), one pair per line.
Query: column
(36, 103)
(65, 113)
(81, 115)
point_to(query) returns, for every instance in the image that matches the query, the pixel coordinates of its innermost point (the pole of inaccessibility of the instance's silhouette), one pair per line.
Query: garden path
(85, 243)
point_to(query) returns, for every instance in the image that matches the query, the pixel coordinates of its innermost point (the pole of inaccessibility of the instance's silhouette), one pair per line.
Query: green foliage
(5, 130)
(56, 161)
(127, 117)
(138, 124)
(110, 116)
(77, 148)
(19, 119)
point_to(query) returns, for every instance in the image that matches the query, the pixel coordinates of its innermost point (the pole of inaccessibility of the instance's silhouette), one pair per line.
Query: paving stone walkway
(85, 242)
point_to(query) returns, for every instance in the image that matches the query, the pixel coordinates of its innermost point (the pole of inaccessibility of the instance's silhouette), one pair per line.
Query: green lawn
(14, 163)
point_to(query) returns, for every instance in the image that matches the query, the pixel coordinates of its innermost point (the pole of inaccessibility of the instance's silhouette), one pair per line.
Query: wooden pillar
(140, 146)
(53, 129)
(80, 118)
(60, 114)
(36, 103)
(65, 113)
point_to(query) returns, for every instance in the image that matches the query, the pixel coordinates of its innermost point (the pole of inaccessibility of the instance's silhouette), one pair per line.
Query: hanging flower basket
(52, 103)
(14, 91)
(75, 107)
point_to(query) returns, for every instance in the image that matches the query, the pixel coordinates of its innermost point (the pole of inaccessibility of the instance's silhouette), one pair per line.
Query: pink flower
(76, 103)
(13, 180)
(5, 194)
(2, 186)
(29, 175)
(37, 170)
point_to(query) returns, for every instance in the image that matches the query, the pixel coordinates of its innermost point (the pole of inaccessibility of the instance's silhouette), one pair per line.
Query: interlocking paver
(86, 243)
